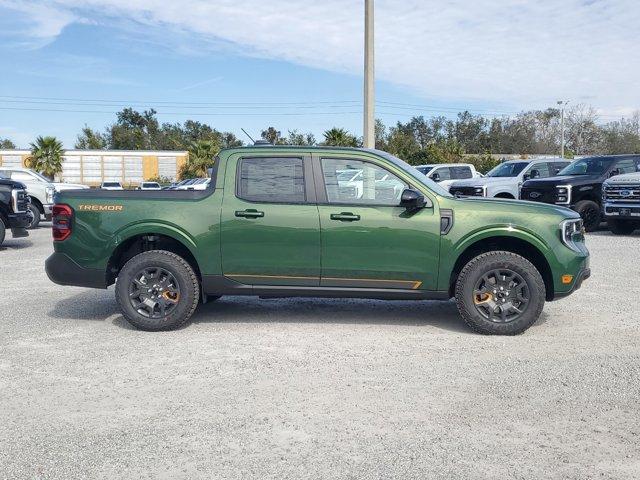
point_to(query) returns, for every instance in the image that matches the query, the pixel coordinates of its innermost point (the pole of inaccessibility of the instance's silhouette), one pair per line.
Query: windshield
(433, 186)
(508, 169)
(40, 176)
(587, 166)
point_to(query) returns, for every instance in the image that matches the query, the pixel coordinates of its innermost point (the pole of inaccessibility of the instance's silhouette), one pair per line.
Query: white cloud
(513, 52)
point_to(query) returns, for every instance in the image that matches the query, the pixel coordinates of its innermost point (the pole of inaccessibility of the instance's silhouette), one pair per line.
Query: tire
(622, 227)
(474, 309)
(180, 297)
(3, 231)
(36, 217)
(590, 213)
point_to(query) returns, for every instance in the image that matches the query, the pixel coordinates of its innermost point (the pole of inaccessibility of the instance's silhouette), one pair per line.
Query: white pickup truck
(447, 173)
(505, 180)
(621, 200)
(40, 190)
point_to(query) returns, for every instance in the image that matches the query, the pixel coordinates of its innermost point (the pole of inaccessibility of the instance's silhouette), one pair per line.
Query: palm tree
(339, 137)
(201, 157)
(46, 156)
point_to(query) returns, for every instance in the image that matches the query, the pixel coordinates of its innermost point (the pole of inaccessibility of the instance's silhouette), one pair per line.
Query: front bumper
(18, 223)
(630, 211)
(48, 209)
(63, 270)
(584, 274)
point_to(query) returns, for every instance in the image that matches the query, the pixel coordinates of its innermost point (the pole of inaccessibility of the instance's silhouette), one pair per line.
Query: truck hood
(624, 178)
(11, 183)
(520, 207)
(480, 181)
(562, 180)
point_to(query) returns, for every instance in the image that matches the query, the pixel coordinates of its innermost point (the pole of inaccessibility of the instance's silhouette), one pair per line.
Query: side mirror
(435, 177)
(526, 176)
(411, 199)
(614, 172)
(535, 173)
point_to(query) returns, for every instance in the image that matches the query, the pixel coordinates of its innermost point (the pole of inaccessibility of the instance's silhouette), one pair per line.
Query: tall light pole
(369, 78)
(562, 105)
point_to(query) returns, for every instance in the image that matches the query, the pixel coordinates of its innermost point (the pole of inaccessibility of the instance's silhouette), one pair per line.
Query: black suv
(14, 209)
(579, 185)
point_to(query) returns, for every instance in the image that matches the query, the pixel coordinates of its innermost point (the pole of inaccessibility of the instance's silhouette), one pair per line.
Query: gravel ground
(317, 388)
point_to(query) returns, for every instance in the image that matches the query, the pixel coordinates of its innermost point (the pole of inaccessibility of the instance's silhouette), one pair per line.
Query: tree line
(419, 140)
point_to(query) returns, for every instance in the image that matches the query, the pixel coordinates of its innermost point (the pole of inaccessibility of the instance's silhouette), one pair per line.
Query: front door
(368, 240)
(270, 225)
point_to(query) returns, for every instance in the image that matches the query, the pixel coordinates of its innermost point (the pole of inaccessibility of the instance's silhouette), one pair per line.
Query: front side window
(442, 174)
(588, 166)
(271, 180)
(369, 183)
(539, 170)
(626, 166)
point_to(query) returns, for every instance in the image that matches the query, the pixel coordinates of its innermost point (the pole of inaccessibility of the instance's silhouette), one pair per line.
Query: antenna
(245, 132)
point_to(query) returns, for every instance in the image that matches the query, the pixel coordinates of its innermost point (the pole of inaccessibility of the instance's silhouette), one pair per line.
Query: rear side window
(272, 180)
(460, 173)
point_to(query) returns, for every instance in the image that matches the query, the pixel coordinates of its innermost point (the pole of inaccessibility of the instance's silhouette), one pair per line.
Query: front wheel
(157, 290)
(3, 231)
(622, 227)
(500, 293)
(35, 219)
(590, 213)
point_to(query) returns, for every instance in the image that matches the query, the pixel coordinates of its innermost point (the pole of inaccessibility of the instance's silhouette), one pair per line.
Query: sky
(296, 64)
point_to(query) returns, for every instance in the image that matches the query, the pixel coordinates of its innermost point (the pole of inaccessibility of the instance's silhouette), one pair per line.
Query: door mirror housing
(435, 177)
(412, 199)
(614, 172)
(526, 176)
(535, 173)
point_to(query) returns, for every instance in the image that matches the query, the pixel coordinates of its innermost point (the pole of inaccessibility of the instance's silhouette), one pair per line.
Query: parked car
(194, 184)
(448, 173)
(621, 199)
(40, 190)
(15, 215)
(111, 186)
(149, 186)
(283, 227)
(505, 180)
(579, 186)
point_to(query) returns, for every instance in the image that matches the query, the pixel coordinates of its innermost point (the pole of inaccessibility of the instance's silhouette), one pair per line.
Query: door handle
(251, 213)
(345, 217)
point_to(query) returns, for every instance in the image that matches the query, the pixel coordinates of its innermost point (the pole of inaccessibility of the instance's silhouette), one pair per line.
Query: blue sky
(298, 64)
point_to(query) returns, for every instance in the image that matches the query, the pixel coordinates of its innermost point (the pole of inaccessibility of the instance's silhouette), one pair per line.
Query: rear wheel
(35, 222)
(590, 213)
(3, 231)
(500, 293)
(622, 227)
(157, 290)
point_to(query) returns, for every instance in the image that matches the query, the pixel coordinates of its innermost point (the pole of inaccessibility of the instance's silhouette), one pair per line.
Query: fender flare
(501, 231)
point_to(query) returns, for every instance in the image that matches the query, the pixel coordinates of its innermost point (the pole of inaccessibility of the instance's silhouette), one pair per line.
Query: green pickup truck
(317, 222)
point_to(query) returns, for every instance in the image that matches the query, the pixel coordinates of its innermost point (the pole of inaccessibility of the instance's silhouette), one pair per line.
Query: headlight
(49, 193)
(572, 233)
(563, 194)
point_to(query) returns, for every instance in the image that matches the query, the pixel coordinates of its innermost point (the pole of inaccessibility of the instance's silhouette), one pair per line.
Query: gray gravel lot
(318, 388)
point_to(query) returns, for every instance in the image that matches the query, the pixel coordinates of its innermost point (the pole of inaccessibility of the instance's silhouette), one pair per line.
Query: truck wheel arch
(504, 195)
(512, 244)
(37, 203)
(143, 242)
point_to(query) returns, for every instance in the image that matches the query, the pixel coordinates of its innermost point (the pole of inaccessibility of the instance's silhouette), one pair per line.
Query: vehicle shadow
(16, 244)
(100, 305)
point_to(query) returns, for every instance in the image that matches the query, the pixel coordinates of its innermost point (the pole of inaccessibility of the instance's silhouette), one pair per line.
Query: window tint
(275, 180)
(460, 173)
(539, 170)
(626, 166)
(375, 185)
(443, 173)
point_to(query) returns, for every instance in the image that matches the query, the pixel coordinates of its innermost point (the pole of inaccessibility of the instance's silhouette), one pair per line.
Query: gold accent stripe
(415, 284)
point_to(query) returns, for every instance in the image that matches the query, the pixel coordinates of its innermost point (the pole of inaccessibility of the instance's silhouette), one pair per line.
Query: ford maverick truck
(283, 222)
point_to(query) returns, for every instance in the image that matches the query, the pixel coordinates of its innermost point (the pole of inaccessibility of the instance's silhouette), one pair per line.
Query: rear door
(270, 226)
(368, 240)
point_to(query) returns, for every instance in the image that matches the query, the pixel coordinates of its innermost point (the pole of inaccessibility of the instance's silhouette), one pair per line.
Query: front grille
(465, 192)
(622, 193)
(538, 195)
(622, 211)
